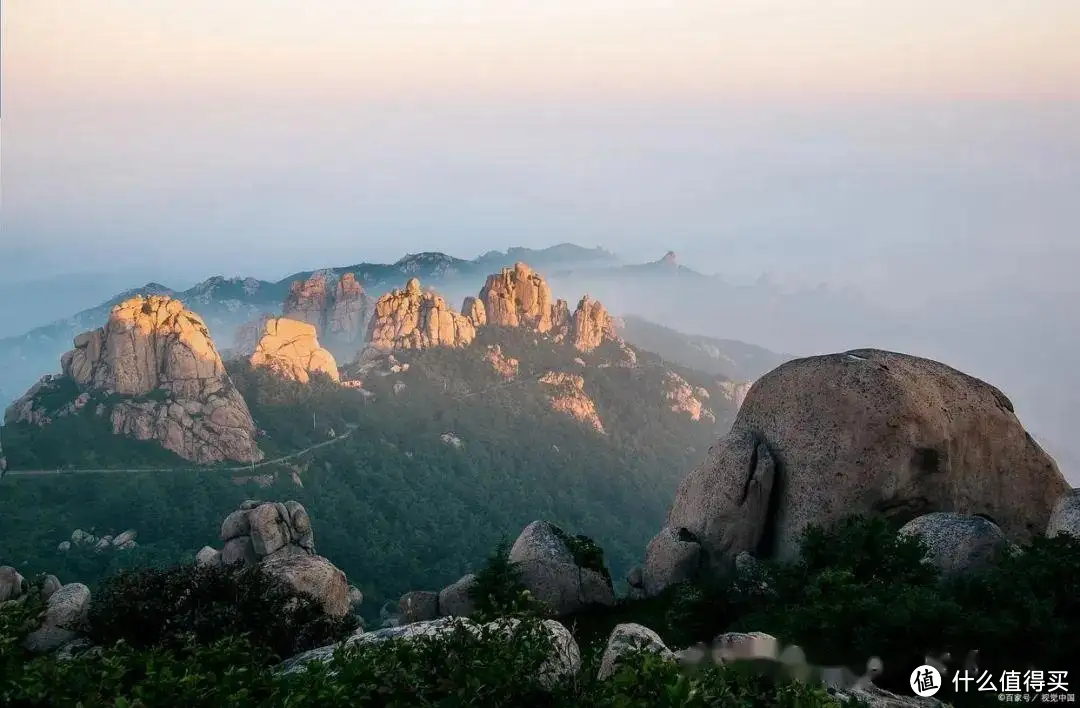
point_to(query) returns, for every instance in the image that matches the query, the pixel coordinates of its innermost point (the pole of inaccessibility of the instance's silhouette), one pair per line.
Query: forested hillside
(438, 455)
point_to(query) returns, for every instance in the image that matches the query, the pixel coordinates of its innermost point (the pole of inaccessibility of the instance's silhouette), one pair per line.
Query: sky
(925, 152)
(822, 141)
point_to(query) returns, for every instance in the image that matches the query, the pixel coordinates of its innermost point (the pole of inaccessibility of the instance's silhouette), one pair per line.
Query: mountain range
(440, 428)
(1020, 343)
(227, 303)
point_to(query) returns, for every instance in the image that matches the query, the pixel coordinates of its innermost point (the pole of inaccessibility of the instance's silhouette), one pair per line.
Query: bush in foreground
(171, 607)
(857, 591)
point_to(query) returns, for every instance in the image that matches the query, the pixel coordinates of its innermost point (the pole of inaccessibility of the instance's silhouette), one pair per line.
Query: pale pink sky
(1002, 48)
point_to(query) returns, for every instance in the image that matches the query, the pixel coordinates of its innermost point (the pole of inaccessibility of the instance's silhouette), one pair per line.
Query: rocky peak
(473, 308)
(518, 297)
(669, 259)
(415, 319)
(290, 349)
(337, 307)
(590, 325)
(164, 379)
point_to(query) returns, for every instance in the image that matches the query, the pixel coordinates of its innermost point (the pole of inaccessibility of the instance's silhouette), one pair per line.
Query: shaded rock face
(11, 583)
(568, 396)
(246, 339)
(1065, 518)
(674, 555)
(865, 432)
(64, 612)
(683, 398)
(958, 544)
(418, 606)
(517, 297)
(626, 638)
(159, 359)
(540, 541)
(290, 349)
(314, 576)
(549, 571)
(414, 319)
(278, 537)
(473, 309)
(721, 508)
(455, 600)
(269, 528)
(337, 307)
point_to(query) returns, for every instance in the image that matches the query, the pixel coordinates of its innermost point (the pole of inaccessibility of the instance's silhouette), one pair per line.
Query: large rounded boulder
(864, 432)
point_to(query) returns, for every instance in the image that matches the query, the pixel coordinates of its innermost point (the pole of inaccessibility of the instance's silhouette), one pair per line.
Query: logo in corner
(925, 681)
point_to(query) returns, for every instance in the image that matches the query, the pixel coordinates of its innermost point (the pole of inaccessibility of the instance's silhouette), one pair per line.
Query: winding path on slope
(240, 468)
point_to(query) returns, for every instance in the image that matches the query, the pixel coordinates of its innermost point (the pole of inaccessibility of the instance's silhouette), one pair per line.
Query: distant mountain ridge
(226, 303)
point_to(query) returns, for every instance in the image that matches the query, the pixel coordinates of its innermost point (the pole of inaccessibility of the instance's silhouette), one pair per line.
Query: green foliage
(586, 552)
(839, 601)
(1025, 613)
(643, 679)
(499, 592)
(169, 607)
(81, 440)
(496, 666)
(425, 512)
(861, 591)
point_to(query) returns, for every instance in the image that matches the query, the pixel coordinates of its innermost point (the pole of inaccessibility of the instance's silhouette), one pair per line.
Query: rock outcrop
(958, 544)
(415, 319)
(290, 349)
(674, 555)
(155, 362)
(66, 607)
(735, 390)
(337, 307)
(548, 569)
(418, 606)
(568, 396)
(12, 583)
(65, 610)
(683, 398)
(518, 297)
(563, 663)
(455, 600)
(864, 432)
(124, 541)
(590, 325)
(506, 366)
(626, 638)
(1065, 518)
(246, 339)
(473, 309)
(543, 556)
(278, 536)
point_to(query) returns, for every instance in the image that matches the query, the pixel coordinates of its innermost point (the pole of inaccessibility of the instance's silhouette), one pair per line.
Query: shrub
(587, 554)
(499, 592)
(166, 607)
